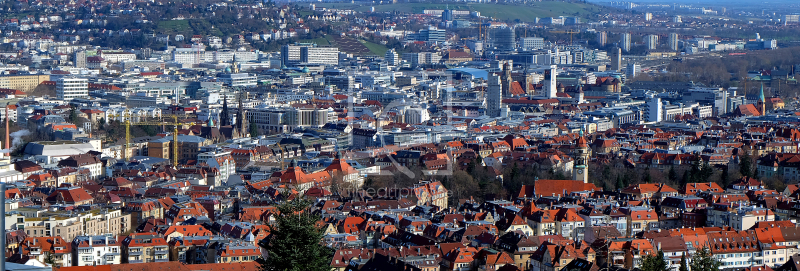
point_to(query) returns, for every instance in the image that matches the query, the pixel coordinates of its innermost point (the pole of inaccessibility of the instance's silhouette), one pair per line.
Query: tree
(295, 242)
(73, 115)
(101, 122)
(723, 178)
(253, 130)
(655, 262)
(673, 176)
(745, 164)
(703, 260)
(684, 265)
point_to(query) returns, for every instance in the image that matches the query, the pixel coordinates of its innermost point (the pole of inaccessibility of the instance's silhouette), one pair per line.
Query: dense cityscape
(399, 135)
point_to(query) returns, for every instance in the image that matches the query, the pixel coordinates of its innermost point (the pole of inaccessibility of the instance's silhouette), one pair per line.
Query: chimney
(8, 148)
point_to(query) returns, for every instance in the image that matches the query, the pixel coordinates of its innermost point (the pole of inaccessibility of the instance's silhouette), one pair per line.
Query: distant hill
(498, 11)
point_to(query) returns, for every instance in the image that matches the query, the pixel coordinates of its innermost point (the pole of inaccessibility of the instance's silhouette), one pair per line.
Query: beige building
(24, 83)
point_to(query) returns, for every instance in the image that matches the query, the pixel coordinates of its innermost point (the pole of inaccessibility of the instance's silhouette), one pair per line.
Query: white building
(96, 250)
(651, 42)
(68, 88)
(532, 43)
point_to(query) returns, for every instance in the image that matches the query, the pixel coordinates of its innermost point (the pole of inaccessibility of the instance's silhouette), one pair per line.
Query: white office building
(532, 43)
(68, 88)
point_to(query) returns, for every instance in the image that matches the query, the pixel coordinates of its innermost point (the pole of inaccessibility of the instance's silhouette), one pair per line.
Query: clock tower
(580, 170)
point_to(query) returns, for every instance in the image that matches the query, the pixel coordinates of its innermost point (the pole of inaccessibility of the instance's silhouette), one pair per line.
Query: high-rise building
(494, 96)
(654, 109)
(648, 16)
(551, 82)
(625, 42)
(447, 15)
(651, 42)
(68, 88)
(677, 19)
(392, 58)
(502, 38)
(80, 59)
(616, 59)
(602, 38)
(532, 43)
(633, 70)
(673, 41)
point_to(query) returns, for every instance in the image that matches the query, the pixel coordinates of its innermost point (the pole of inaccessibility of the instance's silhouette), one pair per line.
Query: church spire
(762, 101)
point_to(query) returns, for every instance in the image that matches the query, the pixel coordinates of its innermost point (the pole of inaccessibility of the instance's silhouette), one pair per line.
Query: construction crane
(570, 32)
(127, 122)
(281, 149)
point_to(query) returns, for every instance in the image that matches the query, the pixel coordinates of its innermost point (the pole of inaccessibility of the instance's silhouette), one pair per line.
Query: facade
(494, 96)
(651, 42)
(625, 42)
(24, 83)
(673, 41)
(532, 43)
(502, 38)
(69, 88)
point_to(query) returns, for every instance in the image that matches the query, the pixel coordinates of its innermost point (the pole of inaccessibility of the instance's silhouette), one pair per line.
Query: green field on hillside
(498, 11)
(377, 49)
(176, 26)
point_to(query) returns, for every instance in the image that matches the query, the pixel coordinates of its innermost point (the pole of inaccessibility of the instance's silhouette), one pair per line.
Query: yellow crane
(281, 149)
(570, 32)
(174, 121)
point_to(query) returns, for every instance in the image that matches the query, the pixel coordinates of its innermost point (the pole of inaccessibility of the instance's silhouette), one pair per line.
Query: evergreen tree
(253, 130)
(655, 262)
(703, 260)
(295, 240)
(706, 171)
(745, 164)
(684, 265)
(73, 115)
(686, 177)
(620, 184)
(647, 177)
(723, 178)
(673, 175)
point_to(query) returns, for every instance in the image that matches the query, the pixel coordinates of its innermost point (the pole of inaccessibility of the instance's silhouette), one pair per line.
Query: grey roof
(53, 148)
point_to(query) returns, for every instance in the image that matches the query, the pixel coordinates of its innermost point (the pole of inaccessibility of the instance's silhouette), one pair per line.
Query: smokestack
(7, 136)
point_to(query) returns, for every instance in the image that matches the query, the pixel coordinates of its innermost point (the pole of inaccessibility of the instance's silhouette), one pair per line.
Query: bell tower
(580, 168)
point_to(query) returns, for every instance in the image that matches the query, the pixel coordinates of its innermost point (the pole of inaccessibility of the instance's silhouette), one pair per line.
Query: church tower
(580, 170)
(762, 101)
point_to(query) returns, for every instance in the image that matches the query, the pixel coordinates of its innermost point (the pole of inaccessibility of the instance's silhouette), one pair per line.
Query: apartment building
(145, 248)
(41, 248)
(738, 218)
(141, 210)
(96, 250)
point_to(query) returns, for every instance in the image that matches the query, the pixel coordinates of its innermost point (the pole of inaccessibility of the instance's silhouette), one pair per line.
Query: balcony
(161, 260)
(161, 252)
(135, 253)
(135, 261)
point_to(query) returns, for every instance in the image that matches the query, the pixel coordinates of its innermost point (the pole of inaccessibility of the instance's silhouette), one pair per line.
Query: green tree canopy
(655, 262)
(703, 260)
(295, 240)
